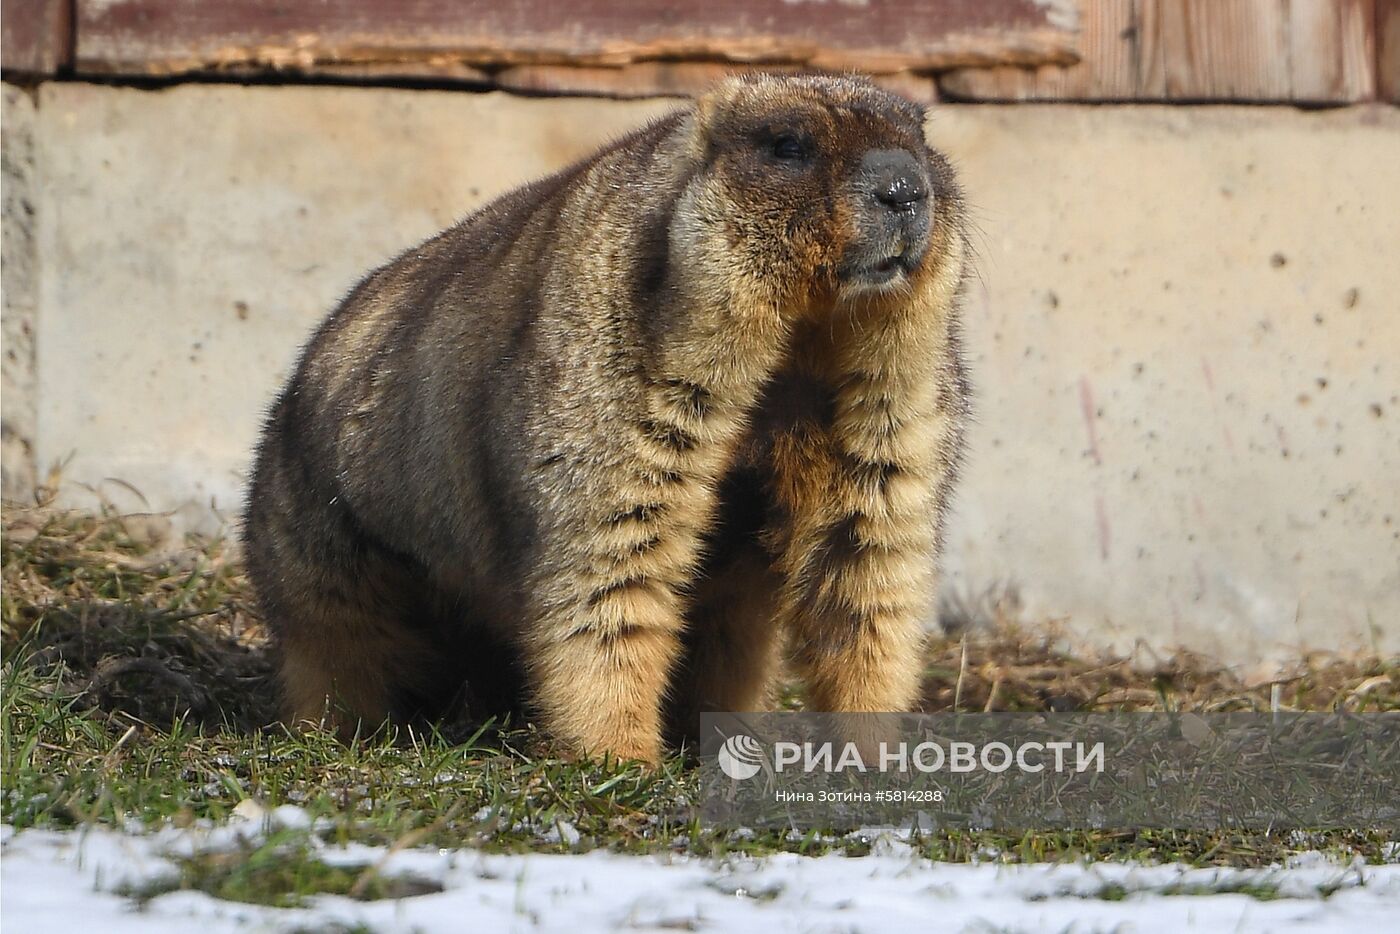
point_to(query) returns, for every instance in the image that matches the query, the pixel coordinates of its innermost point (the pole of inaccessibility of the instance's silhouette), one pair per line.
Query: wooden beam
(1316, 51)
(669, 79)
(167, 37)
(36, 36)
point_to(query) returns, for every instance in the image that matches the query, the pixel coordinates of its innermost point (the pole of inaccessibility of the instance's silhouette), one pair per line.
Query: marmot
(592, 449)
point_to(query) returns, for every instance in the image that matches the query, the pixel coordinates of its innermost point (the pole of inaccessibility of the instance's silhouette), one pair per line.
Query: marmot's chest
(791, 402)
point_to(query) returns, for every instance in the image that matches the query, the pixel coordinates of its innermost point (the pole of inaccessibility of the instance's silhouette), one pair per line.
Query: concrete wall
(1185, 335)
(18, 293)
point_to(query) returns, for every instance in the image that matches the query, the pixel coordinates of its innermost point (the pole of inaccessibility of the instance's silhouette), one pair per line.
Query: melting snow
(73, 880)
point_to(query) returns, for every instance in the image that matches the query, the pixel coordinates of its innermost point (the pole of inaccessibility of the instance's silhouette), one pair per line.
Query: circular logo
(740, 757)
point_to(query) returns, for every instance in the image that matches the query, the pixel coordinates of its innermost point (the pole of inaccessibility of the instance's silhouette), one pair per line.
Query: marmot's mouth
(872, 274)
(874, 278)
(883, 271)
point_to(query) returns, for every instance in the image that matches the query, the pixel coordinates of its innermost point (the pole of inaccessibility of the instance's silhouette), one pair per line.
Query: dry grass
(158, 634)
(136, 684)
(1013, 668)
(125, 627)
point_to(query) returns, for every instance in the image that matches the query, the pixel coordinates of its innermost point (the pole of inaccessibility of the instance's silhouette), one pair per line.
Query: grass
(1263, 890)
(136, 684)
(281, 871)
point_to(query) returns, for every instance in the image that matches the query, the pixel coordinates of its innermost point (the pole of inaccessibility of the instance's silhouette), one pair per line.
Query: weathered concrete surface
(1187, 350)
(17, 294)
(193, 238)
(1185, 336)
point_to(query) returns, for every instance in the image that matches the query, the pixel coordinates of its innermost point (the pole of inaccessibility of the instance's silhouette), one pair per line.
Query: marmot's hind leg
(349, 661)
(373, 661)
(350, 636)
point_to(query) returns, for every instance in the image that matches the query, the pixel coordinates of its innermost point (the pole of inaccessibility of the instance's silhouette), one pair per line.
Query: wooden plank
(36, 36)
(1213, 49)
(1332, 49)
(1106, 71)
(1251, 50)
(160, 37)
(1388, 50)
(669, 79)
(434, 72)
(640, 79)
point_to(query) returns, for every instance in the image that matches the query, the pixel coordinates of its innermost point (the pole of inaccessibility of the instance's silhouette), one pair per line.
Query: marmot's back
(475, 320)
(715, 365)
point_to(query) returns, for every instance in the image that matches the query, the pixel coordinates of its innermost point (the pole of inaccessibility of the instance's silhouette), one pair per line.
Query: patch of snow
(289, 817)
(57, 881)
(562, 832)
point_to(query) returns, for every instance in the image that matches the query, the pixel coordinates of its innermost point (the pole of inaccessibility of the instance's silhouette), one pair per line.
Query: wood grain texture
(161, 37)
(1232, 49)
(1317, 51)
(1107, 69)
(1388, 50)
(1332, 49)
(670, 79)
(35, 36)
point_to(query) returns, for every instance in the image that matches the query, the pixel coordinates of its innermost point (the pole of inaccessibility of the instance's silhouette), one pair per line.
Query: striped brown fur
(600, 451)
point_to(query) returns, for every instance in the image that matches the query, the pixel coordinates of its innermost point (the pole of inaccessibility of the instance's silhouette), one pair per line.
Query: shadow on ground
(131, 627)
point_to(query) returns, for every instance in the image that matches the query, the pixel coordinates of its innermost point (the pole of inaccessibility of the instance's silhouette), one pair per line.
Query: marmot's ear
(693, 134)
(710, 104)
(723, 94)
(706, 109)
(710, 108)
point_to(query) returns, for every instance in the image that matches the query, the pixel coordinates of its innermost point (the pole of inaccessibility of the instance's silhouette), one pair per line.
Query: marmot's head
(823, 186)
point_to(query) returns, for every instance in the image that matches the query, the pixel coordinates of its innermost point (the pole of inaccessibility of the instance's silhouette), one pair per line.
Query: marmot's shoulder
(618, 161)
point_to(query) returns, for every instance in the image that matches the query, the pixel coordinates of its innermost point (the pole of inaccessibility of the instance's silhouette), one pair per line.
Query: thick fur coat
(603, 449)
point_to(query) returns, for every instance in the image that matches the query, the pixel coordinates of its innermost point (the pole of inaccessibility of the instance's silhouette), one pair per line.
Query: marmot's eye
(789, 148)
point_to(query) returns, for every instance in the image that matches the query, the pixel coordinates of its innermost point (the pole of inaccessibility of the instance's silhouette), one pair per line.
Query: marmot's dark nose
(895, 178)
